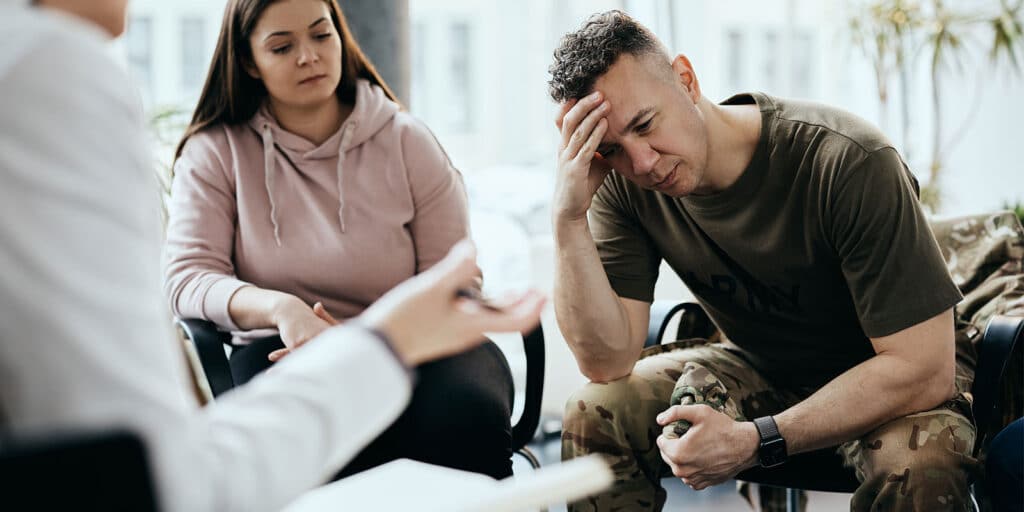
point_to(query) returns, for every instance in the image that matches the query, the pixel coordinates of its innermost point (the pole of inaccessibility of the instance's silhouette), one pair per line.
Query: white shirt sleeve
(85, 335)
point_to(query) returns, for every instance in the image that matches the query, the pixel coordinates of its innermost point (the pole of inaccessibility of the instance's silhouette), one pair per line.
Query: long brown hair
(231, 96)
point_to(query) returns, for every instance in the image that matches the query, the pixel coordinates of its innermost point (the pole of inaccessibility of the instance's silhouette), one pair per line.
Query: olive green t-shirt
(820, 244)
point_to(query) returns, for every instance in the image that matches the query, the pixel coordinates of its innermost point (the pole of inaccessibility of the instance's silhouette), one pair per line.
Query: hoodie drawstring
(268, 177)
(346, 136)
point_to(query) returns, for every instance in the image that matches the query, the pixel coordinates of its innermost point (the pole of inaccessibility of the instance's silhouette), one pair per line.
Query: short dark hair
(586, 54)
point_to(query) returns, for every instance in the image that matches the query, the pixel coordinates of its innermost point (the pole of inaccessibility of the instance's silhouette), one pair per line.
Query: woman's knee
(1005, 455)
(469, 395)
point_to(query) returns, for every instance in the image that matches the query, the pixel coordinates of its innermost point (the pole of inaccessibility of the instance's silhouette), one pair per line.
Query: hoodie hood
(373, 110)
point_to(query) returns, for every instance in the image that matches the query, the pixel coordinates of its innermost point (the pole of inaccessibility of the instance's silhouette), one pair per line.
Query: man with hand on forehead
(797, 226)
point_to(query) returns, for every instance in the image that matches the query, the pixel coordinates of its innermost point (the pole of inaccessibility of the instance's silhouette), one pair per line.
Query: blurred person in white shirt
(80, 289)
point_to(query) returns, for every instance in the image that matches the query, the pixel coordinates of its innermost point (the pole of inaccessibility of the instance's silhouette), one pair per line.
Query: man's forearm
(592, 319)
(876, 391)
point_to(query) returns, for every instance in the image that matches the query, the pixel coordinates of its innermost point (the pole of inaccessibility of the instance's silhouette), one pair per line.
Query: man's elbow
(601, 362)
(603, 371)
(602, 376)
(946, 387)
(940, 387)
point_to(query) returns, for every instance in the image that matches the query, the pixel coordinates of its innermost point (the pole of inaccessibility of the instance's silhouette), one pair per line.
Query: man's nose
(644, 158)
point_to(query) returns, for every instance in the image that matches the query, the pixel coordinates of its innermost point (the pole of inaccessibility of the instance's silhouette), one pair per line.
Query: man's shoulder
(31, 33)
(55, 63)
(826, 143)
(807, 122)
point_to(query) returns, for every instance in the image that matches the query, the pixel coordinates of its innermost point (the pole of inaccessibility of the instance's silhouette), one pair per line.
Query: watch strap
(766, 428)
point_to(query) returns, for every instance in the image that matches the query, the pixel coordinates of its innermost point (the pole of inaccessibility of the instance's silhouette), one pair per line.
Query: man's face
(656, 134)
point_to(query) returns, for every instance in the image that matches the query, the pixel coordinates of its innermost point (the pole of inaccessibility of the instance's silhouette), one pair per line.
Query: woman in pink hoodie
(302, 193)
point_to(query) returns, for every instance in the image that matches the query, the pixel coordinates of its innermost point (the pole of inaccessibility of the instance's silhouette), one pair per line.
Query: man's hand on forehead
(582, 124)
(578, 119)
(586, 104)
(563, 109)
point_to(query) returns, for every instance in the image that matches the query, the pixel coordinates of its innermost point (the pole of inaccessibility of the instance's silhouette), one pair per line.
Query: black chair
(210, 344)
(823, 470)
(106, 470)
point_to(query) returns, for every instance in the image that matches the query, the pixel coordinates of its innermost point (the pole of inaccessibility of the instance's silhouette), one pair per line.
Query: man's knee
(922, 451)
(597, 401)
(612, 417)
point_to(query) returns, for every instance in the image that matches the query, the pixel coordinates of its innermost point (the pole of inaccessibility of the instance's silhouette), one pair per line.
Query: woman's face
(296, 52)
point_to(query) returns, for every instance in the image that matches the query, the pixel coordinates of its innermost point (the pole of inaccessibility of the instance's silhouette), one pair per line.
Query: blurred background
(942, 78)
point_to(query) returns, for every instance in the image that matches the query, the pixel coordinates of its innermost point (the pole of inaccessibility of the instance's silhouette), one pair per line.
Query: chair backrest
(985, 256)
(106, 470)
(995, 350)
(694, 322)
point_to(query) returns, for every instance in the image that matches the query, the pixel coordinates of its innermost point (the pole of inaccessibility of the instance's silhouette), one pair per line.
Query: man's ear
(687, 76)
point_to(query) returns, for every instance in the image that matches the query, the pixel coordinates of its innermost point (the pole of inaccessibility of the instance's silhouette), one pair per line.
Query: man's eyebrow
(629, 127)
(286, 32)
(636, 119)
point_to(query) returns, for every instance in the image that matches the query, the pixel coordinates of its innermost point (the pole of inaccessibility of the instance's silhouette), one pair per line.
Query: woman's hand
(297, 323)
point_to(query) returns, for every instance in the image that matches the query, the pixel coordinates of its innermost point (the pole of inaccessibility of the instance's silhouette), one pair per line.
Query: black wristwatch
(772, 451)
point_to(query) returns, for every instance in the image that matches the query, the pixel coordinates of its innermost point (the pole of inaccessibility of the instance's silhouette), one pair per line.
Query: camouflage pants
(918, 462)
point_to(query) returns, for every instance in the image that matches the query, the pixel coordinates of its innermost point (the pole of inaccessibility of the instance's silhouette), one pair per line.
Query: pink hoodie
(340, 223)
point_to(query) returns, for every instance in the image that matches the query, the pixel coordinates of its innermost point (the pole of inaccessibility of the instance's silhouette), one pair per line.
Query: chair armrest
(994, 351)
(209, 344)
(694, 323)
(662, 312)
(524, 429)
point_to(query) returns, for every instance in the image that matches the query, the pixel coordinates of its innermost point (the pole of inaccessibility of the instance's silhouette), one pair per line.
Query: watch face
(773, 453)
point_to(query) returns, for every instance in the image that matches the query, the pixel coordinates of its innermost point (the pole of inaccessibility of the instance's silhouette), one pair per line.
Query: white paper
(409, 485)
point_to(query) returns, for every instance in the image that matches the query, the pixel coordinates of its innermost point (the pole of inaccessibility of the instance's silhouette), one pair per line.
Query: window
(193, 54)
(419, 54)
(803, 64)
(734, 57)
(771, 60)
(461, 118)
(139, 45)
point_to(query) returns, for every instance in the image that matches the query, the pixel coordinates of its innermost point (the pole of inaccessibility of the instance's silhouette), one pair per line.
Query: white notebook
(408, 485)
